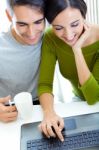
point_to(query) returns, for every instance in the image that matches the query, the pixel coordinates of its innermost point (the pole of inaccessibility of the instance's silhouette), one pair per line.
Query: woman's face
(68, 25)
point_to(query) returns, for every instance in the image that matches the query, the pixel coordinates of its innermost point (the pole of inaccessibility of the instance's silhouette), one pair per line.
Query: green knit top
(54, 49)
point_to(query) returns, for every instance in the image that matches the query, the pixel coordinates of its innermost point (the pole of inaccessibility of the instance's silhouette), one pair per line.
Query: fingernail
(62, 140)
(60, 129)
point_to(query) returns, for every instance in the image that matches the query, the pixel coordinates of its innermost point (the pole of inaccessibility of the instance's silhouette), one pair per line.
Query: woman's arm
(82, 68)
(51, 119)
(88, 80)
(45, 86)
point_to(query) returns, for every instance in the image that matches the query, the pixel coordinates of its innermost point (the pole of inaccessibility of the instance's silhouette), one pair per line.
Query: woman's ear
(8, 15)
(84, 21)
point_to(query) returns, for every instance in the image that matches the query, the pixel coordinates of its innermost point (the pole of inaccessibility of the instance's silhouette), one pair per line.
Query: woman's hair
(54, 7)
(39, 4)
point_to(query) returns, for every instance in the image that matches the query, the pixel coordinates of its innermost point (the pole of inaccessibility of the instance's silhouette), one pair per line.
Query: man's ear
(8, 15)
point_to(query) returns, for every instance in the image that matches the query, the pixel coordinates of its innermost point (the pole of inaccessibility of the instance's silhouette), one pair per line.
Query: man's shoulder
(3, 35)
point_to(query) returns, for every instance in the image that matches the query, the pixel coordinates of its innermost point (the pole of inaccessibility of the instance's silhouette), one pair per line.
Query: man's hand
(7, 113)
(52, 121)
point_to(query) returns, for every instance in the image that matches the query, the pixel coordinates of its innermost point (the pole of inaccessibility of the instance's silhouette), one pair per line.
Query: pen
(10, 103)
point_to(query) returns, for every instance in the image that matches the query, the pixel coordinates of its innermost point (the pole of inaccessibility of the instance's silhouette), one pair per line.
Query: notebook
(81, 132)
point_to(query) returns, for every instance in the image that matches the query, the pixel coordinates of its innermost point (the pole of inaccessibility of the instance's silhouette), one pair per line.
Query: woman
(75, 45)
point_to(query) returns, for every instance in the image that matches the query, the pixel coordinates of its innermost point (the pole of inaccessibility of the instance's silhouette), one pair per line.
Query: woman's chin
(72, 42)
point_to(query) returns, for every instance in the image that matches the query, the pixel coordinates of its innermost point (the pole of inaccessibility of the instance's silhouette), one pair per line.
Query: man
(20, 50)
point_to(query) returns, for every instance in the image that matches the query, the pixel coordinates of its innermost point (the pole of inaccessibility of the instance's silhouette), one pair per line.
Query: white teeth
(69, 40)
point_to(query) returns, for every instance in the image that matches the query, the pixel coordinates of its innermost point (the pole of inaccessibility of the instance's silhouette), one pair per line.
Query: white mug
(24, 105)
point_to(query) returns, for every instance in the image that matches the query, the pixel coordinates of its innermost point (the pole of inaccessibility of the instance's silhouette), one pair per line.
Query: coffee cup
(24, 105)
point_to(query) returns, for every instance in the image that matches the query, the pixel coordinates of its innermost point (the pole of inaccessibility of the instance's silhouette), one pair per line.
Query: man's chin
(31, 42)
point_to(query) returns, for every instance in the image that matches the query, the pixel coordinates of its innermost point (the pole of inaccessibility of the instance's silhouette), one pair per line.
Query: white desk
(10, 132)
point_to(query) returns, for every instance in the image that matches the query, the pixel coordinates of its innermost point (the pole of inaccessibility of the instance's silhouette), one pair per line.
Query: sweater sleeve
(47, 67)
(90, 89)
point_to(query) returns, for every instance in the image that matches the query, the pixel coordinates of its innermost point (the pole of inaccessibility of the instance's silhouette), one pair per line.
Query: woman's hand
(52, 125)
(82, 41)
(7, 113)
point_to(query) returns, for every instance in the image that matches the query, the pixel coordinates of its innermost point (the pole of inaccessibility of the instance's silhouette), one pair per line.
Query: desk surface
(10, 132)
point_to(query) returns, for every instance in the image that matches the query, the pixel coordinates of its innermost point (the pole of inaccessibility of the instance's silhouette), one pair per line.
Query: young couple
(70, 41)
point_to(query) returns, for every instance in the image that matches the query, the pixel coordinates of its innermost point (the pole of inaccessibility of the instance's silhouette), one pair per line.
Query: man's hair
(54, 7)
(38, 4)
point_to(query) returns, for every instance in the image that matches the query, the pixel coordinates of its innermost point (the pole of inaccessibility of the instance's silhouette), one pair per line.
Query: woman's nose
(69, 34)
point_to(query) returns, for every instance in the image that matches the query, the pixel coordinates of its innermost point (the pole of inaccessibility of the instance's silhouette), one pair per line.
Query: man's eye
(22, 25)
(39, 22)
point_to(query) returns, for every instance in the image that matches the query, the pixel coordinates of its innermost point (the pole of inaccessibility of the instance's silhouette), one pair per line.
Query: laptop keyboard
(71, 142)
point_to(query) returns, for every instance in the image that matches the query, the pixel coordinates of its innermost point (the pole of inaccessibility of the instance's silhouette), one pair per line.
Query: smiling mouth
(32, 38)
(70, 41)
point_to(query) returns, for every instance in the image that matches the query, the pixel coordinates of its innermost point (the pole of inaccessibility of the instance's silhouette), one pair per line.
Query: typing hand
(52, 125)
(7, 113)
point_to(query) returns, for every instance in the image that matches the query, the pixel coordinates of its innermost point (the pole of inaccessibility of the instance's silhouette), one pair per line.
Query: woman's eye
(58, 28)
(74, 25)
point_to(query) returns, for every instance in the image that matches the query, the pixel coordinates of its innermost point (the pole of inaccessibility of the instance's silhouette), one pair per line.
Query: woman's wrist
(49, 112)
(77, 51)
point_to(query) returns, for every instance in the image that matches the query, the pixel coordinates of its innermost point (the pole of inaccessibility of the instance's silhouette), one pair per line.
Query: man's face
(27, 24)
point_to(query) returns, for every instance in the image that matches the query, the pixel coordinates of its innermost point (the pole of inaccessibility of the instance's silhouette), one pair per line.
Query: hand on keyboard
(52, 125)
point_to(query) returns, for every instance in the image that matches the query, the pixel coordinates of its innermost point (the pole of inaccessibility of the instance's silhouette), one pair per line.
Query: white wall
(4, 23)
(93, 11)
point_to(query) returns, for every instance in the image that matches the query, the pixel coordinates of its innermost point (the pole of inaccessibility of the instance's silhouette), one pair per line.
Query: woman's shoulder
(49, 34)
(95, 30)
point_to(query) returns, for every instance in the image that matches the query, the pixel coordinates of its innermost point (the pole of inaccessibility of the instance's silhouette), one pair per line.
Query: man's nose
(31, 31)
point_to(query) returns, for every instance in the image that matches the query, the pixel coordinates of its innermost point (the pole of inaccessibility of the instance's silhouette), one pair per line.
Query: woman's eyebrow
(75, 21)
(55, 25)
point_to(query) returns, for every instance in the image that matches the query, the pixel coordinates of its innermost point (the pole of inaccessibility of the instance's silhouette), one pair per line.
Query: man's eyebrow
(24, 23)
(39, 20)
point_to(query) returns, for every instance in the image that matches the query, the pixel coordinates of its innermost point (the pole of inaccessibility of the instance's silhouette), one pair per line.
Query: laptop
(81, 133)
